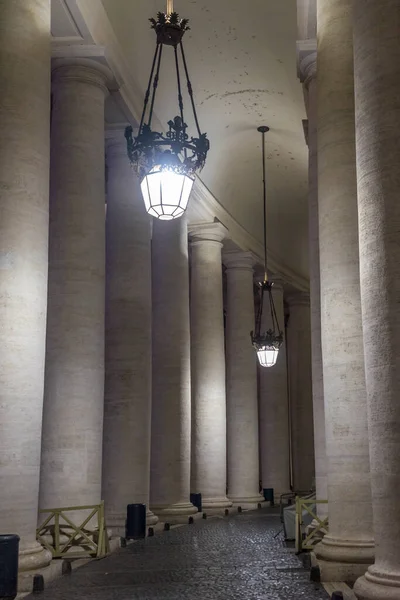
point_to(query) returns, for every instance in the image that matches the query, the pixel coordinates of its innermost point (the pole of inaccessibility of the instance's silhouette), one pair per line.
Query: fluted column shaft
(242, 405)
(348, 549)
(300, 386)
(274, 415)
(127, 394)
(24, 204)
(377, 91)
(74, 377)
(208, 367)
(309, 68)
(170, 422)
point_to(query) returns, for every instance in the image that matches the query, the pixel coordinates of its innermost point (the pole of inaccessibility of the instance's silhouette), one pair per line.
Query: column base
(216, 506)
(376, 585)
(151, 518)
(174, 513)
(33, 559)
(343, 560)
(250, 502)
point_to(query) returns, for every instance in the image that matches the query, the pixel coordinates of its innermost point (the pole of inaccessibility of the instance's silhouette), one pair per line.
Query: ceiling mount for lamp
(266, 342)
(167, 163)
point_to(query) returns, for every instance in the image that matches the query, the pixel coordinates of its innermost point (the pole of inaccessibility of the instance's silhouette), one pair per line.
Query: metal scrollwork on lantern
(167, 163)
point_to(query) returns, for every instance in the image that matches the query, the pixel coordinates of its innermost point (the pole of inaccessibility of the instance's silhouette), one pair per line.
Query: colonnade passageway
(233, 557)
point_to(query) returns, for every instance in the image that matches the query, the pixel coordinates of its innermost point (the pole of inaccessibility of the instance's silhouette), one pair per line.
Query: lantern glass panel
(267, 356)
(166, 193)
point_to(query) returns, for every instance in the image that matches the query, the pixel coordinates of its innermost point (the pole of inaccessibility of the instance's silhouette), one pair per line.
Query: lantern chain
(190, 89)
(147, 95)
(155, 83)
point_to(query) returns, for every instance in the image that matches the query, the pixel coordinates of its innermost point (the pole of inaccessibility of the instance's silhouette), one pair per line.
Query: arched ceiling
(242, 63)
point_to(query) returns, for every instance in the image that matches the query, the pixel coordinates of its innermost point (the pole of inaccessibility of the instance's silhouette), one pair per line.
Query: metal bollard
(195, 499)
(38, 584)
(337, 596)
(9, 545)
(135, 522)
(268, 494)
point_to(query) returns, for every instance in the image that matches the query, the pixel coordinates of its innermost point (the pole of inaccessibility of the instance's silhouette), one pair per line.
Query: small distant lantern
(268, 342)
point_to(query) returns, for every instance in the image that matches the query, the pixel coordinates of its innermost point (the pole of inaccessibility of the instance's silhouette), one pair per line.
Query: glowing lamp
(166, 193)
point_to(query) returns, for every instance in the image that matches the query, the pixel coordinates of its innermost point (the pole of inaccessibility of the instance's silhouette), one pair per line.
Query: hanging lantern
(268, 342)
(167, 163)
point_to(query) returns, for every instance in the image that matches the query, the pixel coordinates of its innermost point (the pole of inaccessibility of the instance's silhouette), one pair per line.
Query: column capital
(298, 299)
(308, 67)
(207, 233)
(115, 141)
(238, 260)
(81, 70)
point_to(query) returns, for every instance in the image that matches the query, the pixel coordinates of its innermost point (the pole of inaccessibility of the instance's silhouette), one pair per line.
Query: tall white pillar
(348, 549)
(308, 69)
(24, 205)
(377, 92)
(127, 394)
(300, 389)
(74, 377)
(208, 367)
(274, 412)
(170, 421)
(242, 404)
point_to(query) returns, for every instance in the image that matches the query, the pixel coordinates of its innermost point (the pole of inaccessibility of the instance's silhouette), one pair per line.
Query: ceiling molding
(67, 24)
(207, 203)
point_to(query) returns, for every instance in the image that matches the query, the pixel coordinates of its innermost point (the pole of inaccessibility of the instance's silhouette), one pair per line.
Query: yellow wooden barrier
(308, 541)
(66, 535)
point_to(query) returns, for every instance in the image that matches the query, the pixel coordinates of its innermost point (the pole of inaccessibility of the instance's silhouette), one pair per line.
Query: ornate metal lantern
(167, 163)
(266, 342)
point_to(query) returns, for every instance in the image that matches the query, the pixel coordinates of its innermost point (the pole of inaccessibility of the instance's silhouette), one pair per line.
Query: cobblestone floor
(231, 558)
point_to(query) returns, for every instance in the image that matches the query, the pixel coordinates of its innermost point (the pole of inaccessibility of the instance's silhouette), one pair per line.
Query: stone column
(74, 377)
(348, 549)
(127, 394)
(24, 202)
(242, 405)
(309, 75)
(170, 429)
(377, 91)
(208, 367)
(274, 415)
(300, 389)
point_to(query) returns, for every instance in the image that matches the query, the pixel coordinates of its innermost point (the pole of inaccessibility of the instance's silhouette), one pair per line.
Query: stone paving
(235, 558)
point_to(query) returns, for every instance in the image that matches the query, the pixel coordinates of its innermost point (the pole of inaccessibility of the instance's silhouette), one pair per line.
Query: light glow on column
(166, 193)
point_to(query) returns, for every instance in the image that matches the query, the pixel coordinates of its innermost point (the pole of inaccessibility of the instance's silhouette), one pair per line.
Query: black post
(9, 545)
(135, 522)
(195, 499)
